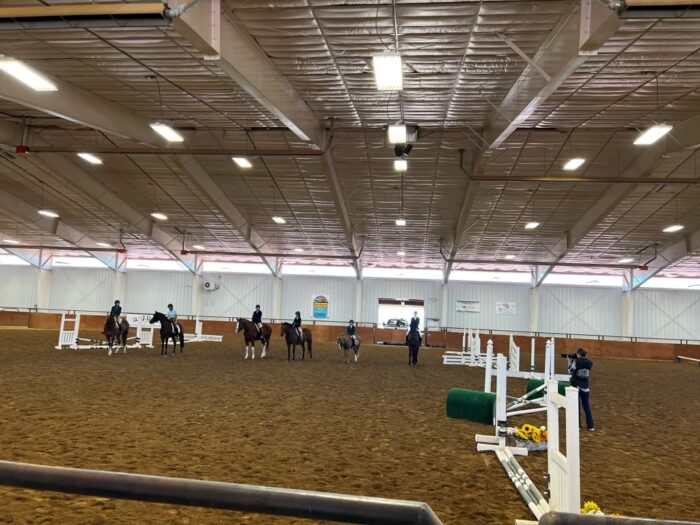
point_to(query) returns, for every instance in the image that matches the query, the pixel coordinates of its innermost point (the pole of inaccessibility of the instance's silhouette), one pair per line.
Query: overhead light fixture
(197, 247)
(48, 213)
(104, 245)
(89, 157)
(159, 216)
(279, 220)
(299, 250)
(26, 75)
(652, 134)
(10, 241)
(673, 228)
(532, 225)
(509, 257)
(387, 71)
(400, 165)
(242, 162)
(400, 253)
(574, 164)
(397, 134)
(166, 132)
(626, 260)
(400, 222)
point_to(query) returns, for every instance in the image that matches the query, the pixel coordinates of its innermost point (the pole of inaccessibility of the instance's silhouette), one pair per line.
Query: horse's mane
(285, 323)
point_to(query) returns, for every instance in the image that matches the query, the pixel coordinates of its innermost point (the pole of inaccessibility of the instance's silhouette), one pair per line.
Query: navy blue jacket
(415, 322)
(116, 311)
(580, 369)
(257, 316)
(351, 329)
(297, 322)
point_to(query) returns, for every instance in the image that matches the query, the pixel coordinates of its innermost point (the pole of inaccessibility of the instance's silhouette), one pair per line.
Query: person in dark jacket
(414, 325)
(580, 369)
(116, 312)
(257, 318)
(296, 323)
(351, 332)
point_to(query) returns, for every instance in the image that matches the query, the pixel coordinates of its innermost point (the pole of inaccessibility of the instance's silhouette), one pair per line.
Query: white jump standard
(69, 338)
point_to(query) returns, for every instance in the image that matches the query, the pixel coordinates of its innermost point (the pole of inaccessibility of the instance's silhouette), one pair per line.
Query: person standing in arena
(580, 370)
(257, 318)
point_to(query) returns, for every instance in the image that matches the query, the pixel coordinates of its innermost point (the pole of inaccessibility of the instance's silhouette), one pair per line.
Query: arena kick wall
(549, 309)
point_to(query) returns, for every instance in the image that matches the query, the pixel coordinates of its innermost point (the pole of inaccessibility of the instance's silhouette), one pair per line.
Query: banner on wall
(506, 308)
(321, 307)
(471, 307)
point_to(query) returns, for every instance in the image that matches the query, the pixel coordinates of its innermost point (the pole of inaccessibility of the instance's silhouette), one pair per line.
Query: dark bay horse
(116, 333)
(413, 342)
(251, 334)
(167, 333)
(292, 338)
(345, 344)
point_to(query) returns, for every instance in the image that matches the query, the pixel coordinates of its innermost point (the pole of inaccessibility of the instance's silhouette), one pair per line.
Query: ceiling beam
(686, 245)
(196, 151)
(69, 174)
(29, 215)
(472, 188)
(239, 222)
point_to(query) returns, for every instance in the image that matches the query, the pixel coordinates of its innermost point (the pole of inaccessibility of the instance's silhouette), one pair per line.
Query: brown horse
(345, 344)
(292, 338)
(251, 334)
(116, 332)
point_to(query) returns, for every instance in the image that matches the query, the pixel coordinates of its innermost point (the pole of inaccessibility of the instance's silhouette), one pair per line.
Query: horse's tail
(309, 342)
(182, 337)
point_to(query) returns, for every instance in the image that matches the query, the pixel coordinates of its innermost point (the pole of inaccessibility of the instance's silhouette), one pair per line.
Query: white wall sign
(506, 308)
(472, 307)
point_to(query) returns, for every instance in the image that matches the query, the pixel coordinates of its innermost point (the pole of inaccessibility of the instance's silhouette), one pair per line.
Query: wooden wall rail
(453, 340)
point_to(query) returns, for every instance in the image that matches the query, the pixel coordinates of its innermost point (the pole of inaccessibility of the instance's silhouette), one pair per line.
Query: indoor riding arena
(392, 262)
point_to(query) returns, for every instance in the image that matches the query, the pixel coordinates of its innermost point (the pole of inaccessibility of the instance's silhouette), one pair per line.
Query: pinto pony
(116, 332)
(345, 344)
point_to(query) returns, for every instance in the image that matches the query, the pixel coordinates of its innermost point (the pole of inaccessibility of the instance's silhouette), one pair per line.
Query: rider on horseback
(415, 323)
(351, 332)
(171, 314)
(257, 318)
(297, 325)
(115, 313)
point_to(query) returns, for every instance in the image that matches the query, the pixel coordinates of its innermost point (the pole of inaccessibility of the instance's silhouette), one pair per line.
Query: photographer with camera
(580, 370)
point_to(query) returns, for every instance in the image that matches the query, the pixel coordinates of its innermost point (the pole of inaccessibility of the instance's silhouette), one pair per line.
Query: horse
(116, 332)
(251, 334)
(292, 338)
(345, 344)
(413, 343)
(166, 333)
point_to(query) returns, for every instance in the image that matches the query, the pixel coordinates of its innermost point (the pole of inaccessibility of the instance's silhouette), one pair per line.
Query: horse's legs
(246, 350)
(357, 354)
(264, 348)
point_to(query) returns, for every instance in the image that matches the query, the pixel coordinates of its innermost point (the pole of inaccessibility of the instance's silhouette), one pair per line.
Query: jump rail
(562, 518)
(218, 495)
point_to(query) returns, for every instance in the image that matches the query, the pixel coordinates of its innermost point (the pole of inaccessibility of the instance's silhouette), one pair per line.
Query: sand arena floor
(376, 428)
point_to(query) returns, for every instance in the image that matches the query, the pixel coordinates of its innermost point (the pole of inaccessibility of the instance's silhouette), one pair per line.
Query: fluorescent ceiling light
(397, 134)
(10, 241)
(387, 71)
(159, 216)
(89, 157)
(400, 165)
(400, 222)
(652, 134)
(104, 245)
(197, 247)
(48, 213)
(532, 225)
(299, 250)
(279, 220)
(400, 254)
(242, 162)
(167, 132)
(509, 257)
(26, 75)
(673, 228)
(574, 164)
(626, 260)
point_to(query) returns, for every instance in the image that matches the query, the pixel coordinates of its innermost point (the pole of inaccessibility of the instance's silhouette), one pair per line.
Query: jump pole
(680, 358)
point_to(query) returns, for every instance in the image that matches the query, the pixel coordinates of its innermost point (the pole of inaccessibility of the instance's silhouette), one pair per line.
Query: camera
(569, 356)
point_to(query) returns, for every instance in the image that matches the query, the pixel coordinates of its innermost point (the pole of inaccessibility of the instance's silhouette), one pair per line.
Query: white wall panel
(237, 295)
(580, 310)
(82, 289)
(18, 287)
(148, 291)
(488, 294)
(373, 289)
(298, 294)
(668, 314)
